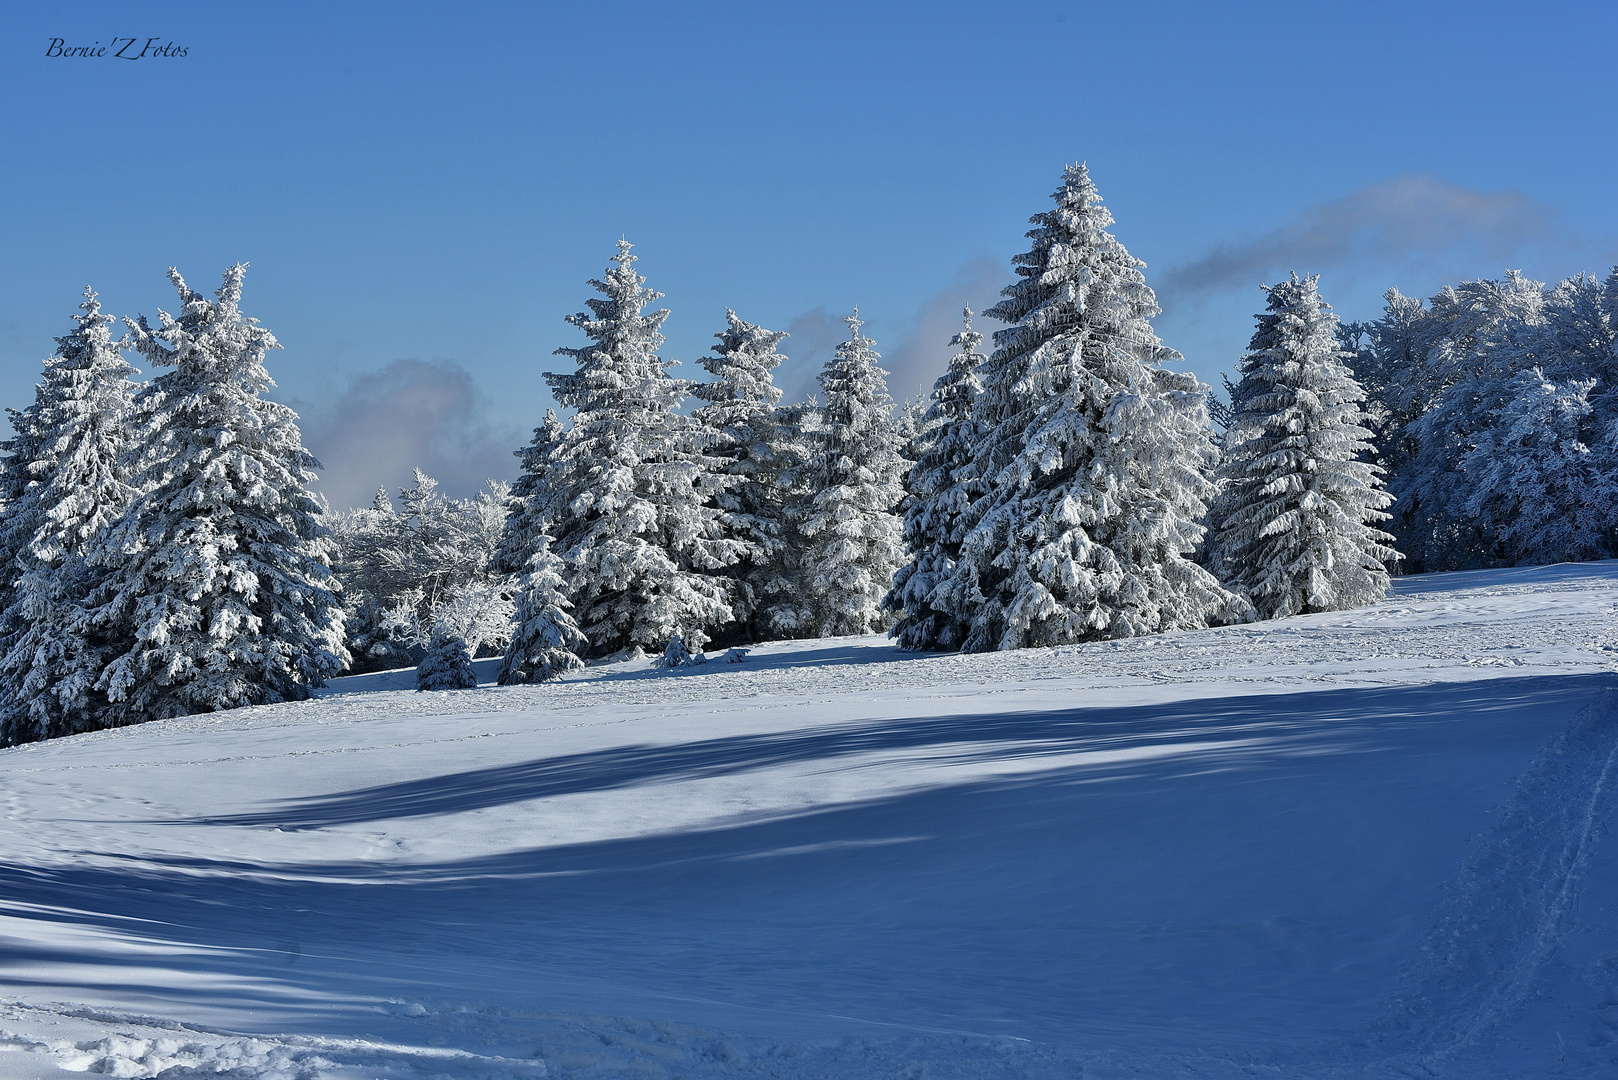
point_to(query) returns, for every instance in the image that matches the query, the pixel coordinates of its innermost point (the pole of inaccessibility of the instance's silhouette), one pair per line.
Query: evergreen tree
(81, 437)
(751, 449)
(1094, 458)
(216, 587)
(1294, 525)
(525, 523)
(935, 522)
(447, 665)
(20, 456)
(547, 642)
(853, 484)
(783, 611)
(629, 491)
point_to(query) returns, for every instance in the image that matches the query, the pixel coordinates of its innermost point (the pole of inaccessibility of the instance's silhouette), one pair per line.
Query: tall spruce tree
(941, 491)
(1294, 528)
(81, 437)
(751, 448)
(629, 491)
(1094, 459)
(216, 586)
(852, 484)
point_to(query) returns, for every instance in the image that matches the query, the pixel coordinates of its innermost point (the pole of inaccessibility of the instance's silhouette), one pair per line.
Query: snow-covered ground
(1372, 844)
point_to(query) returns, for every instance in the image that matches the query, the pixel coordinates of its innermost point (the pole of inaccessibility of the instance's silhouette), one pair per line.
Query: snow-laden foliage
(20, 456)
(941, 490)
(81, 437)
(410, 572)
(1536, 488)
(1459, 384)
(676, 654)
(851, 483)
(525, 529)
(216, 587)
(546, 643)
(447, 665)
(751, 449)
(1294, 526)
(1093, 460)
(1445, 381)
(629, 492)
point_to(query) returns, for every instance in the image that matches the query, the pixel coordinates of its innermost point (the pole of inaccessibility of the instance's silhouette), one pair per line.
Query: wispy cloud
(1409, 219)
(406, 415)
(916, 362)
(811, 340)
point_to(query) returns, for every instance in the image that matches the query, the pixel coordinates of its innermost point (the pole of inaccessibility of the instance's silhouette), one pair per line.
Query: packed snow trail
(1204, 855)
(1513, 901)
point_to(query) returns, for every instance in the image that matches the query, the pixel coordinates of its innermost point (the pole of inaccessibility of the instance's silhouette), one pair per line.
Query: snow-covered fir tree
(1294, 527)
(751, 448)
(852, 484)
(630, 494)
(81, 438)
(20, 456)
(1094, 458)
(447, 665)
(546, 643)
(941, 491)
(525, 524)
(216, 587)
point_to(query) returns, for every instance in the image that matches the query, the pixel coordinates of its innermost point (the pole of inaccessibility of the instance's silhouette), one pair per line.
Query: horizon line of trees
(166, 555)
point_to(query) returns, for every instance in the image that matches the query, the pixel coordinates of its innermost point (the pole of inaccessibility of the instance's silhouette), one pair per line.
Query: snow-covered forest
(1065, 481)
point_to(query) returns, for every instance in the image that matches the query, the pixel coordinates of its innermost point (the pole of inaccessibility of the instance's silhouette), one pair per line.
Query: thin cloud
(406, 415)
(1409, 219)
(916, 362)
(811, 340)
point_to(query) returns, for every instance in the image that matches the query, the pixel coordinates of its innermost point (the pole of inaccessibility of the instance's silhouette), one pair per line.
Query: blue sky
(423, 192)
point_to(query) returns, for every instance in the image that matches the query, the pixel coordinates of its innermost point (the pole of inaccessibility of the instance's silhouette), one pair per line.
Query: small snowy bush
(447, 666)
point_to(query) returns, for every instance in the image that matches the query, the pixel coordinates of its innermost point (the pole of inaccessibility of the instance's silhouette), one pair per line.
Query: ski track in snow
(1512, 903)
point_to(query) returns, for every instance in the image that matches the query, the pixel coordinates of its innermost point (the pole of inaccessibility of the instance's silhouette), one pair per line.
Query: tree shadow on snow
(1024, 895)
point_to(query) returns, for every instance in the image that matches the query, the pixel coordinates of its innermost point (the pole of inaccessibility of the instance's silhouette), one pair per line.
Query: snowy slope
(1364, 844)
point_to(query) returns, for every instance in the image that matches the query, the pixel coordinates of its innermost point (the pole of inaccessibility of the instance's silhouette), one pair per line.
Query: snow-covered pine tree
(1094, 458)
(751, 448)
(20, 455)
(217, 589)
(629, 484)
(1294, 527)
(853, 482)
(547, 643)
(530, 500)
(785, 613)
(82, 439)
(934, 523)
(447, 665)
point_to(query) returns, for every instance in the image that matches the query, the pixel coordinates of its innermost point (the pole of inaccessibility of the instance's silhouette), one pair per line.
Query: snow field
(1371, 843)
